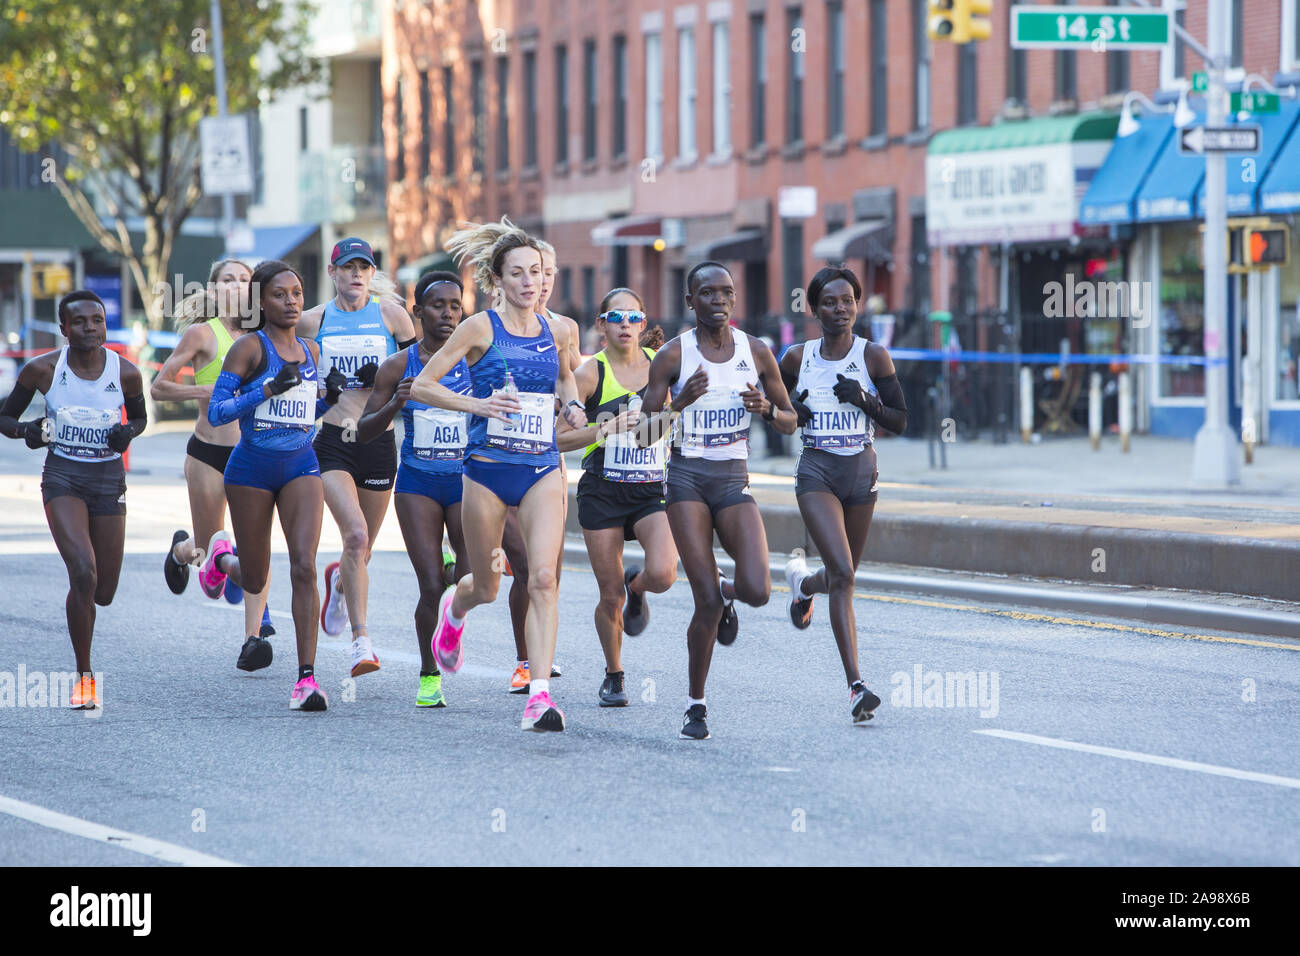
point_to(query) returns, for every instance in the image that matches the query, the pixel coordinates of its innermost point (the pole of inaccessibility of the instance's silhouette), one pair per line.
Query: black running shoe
(693, 725)
(862, 703)
(611, 691)
(729, 626)
(176, 574)
(254, 655)
(636, 613)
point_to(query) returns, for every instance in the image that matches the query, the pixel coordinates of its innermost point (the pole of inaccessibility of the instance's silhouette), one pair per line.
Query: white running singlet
(835, 427)
(83, 411)
(715, 426)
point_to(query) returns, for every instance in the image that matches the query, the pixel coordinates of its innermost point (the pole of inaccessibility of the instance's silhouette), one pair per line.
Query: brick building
(641, 136)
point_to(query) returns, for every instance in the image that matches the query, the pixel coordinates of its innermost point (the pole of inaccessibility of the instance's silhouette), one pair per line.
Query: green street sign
(1200, 81)
(1257, 103)
(1092, 28)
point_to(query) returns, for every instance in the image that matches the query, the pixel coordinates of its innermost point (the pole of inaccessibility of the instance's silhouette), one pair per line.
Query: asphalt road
(209, 760)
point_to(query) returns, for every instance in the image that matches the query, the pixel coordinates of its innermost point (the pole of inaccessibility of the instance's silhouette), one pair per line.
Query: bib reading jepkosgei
(440, 434)
(625, 461)
(834, 425)
(82, 433)
(295, 408)
(347, 353)
(533, 433)
(717, 419)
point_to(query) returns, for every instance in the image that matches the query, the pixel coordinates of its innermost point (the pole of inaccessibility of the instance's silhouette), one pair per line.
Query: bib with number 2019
(625, 461)
(834, 424)
(534, 433)
(440, 434)
(714, 420)
(296, 407)
(82, 433)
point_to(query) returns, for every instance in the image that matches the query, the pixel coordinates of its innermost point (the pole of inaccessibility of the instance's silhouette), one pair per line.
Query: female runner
(621, 492)
(433, 444)
(83, 484)
(839, 384)
(518, 363)
(356, 330)
(719, 377)
(269, 384)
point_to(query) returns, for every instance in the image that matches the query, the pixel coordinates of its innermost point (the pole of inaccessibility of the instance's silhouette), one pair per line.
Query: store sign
(797, 202)
(225, 160)
(999, 196)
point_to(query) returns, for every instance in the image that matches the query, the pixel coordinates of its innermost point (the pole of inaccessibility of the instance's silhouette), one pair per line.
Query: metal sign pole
(219, 62)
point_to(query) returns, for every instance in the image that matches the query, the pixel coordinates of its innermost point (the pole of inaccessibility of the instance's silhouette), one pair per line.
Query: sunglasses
(618, 317)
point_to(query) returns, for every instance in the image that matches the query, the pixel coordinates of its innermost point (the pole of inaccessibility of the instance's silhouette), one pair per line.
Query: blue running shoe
(268, 629)
(233, 592)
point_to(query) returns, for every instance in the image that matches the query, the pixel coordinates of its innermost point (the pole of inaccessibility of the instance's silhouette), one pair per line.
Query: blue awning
(1279, 190)
(277, 242)
(1172, 184)
(1246, 173)
(1112, 196)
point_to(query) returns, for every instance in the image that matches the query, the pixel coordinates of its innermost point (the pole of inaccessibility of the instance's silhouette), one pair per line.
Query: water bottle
(634, 405)
(512, 391)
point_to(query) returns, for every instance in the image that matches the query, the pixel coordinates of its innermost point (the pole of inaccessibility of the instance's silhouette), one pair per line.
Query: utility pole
(1215, 457)
(219, 62)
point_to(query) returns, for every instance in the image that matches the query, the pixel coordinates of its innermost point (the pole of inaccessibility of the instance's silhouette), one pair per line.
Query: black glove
(366, 374)
(119, 437)
(801, 411)
(34, 433)
(335, 382)
(851, 392)
(288, 377)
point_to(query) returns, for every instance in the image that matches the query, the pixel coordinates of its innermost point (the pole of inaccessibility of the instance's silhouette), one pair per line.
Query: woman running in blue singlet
(428, 489)
(269, 384)
(838, 384)
(83, 484)
(518, 364)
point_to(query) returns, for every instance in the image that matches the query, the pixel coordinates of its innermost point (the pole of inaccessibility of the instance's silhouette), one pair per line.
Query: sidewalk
(1060, 510)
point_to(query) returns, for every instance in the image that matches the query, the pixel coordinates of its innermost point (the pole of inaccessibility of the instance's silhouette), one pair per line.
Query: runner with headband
(83, 483)
(428, 490)
(621, 492)
(840, 383)
(518, 364)
(719, 377)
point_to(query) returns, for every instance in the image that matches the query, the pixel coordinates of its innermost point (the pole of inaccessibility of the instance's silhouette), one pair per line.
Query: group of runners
(489, 403)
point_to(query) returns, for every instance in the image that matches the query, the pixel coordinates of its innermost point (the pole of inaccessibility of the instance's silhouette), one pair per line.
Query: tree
(121, 87)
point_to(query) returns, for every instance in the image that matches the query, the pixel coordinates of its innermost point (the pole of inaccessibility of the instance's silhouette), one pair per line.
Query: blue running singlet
(434, 438)
(349, 340)
(535, 366)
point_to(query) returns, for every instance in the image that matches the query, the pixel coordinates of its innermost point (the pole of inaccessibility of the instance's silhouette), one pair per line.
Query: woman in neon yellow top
(621, 492)
(211, 321)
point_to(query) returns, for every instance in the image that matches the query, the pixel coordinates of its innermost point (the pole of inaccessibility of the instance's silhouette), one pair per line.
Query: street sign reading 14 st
(1219, 139)
(1095, 28)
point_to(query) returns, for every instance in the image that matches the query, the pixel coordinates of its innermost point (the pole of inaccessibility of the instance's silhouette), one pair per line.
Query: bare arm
(390, 393)
(398, 321)
(773, 394)
(471, 339)
(656, 418)
(35, 376)
(568, 438)
(196, 344)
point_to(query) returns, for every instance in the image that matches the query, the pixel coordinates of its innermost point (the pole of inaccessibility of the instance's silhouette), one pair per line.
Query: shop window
(1287, 387)
(1182, 311)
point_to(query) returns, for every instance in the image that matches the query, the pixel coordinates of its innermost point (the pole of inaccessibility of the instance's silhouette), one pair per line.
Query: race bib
(82, 433)
(834, 425)
(717, 419)
(440, 434)
(624, 461)
(347, 353)
(296, 408)
(532, 432)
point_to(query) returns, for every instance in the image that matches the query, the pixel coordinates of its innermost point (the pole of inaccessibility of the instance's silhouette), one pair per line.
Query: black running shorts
(850, 478)
(100, 484)
(372, 464)
(719, 484)
(214, 456)
(616, 504)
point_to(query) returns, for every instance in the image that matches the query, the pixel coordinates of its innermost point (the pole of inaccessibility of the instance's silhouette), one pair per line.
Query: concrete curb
(1136, 558)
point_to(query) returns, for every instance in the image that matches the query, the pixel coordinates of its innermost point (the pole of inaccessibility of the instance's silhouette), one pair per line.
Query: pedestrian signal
(1267, 246)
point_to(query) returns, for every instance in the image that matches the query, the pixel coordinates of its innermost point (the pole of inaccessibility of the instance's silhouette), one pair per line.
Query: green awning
(1015, 134)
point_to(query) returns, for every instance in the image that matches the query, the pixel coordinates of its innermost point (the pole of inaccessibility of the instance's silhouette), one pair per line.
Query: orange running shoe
(520, 678)
(506, 569)
(84, 695)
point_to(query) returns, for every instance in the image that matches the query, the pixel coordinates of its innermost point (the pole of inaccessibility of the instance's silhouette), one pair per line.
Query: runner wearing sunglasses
(839, 384)
(621, 492)
(719, 377)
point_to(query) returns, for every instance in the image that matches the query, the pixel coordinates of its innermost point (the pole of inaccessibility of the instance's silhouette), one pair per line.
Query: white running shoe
(364, 660)
(334, 610)
(800, 607)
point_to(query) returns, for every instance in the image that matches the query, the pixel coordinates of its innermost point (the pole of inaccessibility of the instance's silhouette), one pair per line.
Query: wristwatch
(771, 407)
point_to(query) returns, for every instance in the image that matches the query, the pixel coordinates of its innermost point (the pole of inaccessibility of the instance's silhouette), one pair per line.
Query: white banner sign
(226, 161)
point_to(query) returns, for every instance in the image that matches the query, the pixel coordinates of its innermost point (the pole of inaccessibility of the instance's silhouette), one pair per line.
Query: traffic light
(959, 21)
(1266, 246)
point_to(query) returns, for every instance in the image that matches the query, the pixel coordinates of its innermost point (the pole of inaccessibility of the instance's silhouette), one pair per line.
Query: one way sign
(1219, 139)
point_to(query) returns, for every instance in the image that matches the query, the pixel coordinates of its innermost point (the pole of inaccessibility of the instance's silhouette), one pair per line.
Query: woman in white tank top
(720, 378)
(840, 386)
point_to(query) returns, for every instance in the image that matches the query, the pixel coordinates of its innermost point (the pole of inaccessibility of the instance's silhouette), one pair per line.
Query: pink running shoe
(307, 695)
(211, 578)
(541, 714)
(446, 644)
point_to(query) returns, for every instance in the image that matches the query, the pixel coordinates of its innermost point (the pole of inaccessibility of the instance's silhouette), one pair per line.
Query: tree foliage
(121, 87)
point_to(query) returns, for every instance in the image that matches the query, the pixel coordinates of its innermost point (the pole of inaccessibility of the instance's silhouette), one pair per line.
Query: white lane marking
(158, 849)
(1209, 768)
(782, 769)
